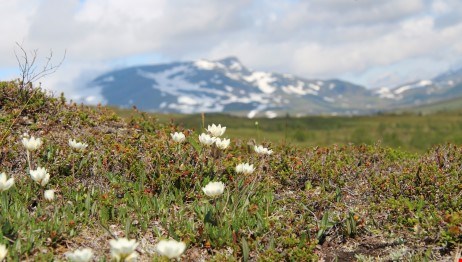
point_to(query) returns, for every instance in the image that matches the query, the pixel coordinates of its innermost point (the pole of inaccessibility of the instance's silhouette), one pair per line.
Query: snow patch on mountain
(262, 80)
(299, 89)
(314, 87)
(236, 66)
(233, 76)
(205, 64)
(255, 111)
(385, 92)
(398, 92)
(421, 83)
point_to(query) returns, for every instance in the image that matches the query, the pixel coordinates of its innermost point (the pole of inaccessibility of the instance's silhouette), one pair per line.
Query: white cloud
(312, 38)
(14, 27)
(71, 80)
(440, 7)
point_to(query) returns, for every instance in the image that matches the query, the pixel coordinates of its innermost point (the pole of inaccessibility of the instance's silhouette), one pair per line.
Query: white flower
(80, 255)
(31, 144)
(222, 143)
(49, 195)
(178, 137)
(40, 175)
(3, 252)
(213, 189)
(245, 169)
(215, 130)
(170, 248)
(4, 183)
(263, 150)
(206, 139)
(123, 249)
(77, 145)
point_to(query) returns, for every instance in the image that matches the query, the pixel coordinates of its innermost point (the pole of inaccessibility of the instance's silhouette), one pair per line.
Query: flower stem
(73, 164)
(217, 216)
(4, 203)
(28, 159)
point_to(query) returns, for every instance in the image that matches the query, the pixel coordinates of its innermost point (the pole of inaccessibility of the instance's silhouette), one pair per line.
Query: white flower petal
(222, 143)
(80, 255)
(49, 195)
(31, 143)
(245, 169)
(40, 175)
(77, 145)
(178, 137)
(206, 139)
(262, 150)
(3, 252)
(213, 189)
(215, 130)
(123, 248)
(170, 248)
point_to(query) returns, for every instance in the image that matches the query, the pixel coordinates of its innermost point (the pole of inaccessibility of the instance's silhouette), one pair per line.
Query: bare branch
(29, 68)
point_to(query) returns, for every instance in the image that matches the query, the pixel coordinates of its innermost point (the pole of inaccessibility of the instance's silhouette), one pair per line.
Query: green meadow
(410, 131)
(324, 189)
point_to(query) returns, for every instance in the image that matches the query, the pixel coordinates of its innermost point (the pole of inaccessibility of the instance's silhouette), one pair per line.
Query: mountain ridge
(226, 85)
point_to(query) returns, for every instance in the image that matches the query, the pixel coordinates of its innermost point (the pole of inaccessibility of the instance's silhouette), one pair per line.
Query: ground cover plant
(137, 188)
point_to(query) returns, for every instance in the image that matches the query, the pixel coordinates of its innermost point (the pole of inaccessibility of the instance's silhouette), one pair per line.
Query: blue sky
(371, 42)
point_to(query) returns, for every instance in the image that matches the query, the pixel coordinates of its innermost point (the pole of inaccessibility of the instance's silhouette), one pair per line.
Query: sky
(374, 43)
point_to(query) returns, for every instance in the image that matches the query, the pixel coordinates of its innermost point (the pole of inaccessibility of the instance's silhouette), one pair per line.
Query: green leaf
(209, 218)
(194, 144)
(245, 250)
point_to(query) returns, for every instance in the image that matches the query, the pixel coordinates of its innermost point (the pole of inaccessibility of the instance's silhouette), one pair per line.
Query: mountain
(444, 87)
(226, 85)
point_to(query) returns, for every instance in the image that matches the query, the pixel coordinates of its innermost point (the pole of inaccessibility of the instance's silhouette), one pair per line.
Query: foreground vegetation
(351, 202)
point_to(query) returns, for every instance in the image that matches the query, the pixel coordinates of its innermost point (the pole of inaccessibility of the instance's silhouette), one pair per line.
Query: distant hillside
(446, 106)
(445, 87)
(226, 85)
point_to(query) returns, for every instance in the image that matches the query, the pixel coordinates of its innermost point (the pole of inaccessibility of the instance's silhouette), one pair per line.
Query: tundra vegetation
(138, 188)
(413, 131)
